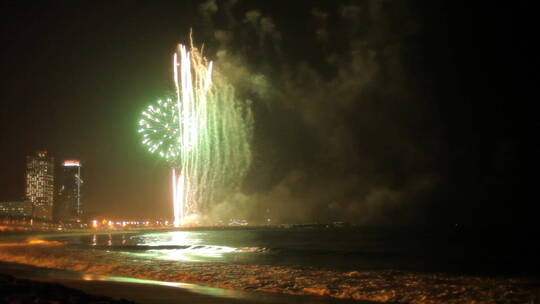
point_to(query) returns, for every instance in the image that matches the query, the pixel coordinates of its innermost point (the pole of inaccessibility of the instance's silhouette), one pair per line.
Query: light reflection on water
(191, 247)
(172, 238)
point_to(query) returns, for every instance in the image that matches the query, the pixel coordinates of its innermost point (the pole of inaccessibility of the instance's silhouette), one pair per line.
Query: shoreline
(116, 288)
(253, 283)
(366, 287)
(16, 290)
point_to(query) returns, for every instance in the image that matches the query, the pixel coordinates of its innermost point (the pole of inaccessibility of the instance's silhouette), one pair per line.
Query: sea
(373, 264)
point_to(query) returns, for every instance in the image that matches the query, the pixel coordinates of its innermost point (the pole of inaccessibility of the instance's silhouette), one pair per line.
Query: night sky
(370, 112)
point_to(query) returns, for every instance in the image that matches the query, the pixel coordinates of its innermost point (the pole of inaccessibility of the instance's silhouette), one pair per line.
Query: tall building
(69, 197)
(40, 184)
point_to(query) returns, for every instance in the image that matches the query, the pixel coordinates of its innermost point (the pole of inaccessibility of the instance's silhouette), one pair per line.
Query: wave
(175, 247)
(384, 285)
(272, 250)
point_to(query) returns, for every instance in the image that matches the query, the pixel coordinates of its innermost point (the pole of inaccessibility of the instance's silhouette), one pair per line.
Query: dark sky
(373, 112)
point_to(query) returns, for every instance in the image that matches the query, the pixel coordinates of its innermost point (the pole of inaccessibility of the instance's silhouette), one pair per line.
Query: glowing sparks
(203, 131)
(159, 128)
(178, 183)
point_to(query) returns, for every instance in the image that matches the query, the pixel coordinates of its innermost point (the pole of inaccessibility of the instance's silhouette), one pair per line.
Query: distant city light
(72, 163)
(105, 224)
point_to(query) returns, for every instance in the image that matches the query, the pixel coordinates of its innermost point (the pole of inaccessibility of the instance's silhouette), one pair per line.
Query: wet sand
(15, 290)
(153, 292)
(331, 286)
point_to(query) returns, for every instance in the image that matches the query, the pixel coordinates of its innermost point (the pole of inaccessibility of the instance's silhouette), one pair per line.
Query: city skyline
(52, 188)
(400, 113)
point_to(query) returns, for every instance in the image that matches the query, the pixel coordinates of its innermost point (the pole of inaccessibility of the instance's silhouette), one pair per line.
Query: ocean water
(323, 248)
(350, 263)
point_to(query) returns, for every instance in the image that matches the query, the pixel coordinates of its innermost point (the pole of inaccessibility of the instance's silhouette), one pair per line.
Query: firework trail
(204, 132)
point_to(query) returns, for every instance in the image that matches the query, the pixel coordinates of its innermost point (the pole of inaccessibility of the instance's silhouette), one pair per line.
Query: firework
(204, 132)
(159, 128)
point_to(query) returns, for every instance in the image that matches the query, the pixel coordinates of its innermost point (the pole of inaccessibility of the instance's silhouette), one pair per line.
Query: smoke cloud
(337, 130)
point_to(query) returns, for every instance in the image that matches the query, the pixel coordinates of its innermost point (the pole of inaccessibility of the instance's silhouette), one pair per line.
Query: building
(16, 208)
(40, 184)
(69, 207)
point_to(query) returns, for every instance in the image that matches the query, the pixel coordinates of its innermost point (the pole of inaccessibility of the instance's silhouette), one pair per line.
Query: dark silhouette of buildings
(69, 206)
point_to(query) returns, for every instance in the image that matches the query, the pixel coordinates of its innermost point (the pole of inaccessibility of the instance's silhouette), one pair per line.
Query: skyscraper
(69, 199)
(40, 184)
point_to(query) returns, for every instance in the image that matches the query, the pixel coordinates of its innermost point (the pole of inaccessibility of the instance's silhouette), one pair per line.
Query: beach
(23, 282)
(258, 266)
(15, 290)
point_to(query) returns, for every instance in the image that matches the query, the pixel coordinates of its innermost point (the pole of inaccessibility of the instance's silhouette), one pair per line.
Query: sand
(25, 284)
